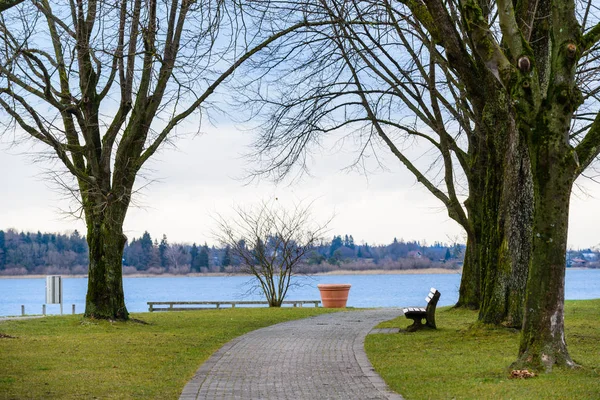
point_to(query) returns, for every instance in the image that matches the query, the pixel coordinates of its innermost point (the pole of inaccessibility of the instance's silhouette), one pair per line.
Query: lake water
(366, 291)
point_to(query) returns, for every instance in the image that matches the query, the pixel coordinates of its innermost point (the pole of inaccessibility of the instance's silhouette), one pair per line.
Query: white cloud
(203, 177)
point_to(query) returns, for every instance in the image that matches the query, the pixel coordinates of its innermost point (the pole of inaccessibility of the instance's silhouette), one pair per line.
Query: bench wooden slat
(229, 302)
(169, 305)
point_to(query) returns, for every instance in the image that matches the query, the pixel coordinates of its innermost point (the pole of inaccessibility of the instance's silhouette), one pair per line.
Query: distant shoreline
(338, 272)
(221, 274)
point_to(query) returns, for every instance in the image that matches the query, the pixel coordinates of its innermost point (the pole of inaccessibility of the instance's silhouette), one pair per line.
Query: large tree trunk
(516, 213)
(554, 167)
(105, 298)
(509, 213)
(469, 293)
(501, 211)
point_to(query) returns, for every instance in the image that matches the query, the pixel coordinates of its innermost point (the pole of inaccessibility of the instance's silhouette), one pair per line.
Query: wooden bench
(417, 314)
(189, 305)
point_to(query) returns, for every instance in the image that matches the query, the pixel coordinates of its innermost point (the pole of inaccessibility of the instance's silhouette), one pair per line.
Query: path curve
(319, 357)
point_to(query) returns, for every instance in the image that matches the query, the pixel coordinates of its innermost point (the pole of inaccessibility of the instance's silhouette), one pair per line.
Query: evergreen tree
(2, 250)
(226, 258)
(349, 242)
(162, 252)
(194, 259)
(366, 251)
(202, 259)
(61, 244)
(336, 243)
(147, 250)
(77, 243)
(448, 255)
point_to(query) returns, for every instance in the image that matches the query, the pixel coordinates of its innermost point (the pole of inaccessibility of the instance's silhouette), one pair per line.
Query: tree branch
(178, 118)
(591, 38)
(589, 148)
(455, 211)
(6, 4)
(485, 44)
(511, 34)
(458, 56)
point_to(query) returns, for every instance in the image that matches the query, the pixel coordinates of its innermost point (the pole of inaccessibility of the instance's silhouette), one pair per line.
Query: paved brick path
(315, 358)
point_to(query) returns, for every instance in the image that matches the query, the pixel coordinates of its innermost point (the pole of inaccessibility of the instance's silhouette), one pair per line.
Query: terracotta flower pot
(334, 295)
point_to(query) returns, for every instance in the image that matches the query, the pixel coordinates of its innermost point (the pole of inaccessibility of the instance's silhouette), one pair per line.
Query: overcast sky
(203, 177)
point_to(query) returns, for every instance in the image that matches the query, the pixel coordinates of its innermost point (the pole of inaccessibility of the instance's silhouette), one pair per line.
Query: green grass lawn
(463, 360)
(68, 357)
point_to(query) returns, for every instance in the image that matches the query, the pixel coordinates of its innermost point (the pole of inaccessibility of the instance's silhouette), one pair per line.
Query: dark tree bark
(469, 292)
(105, 298)
(6, 4)
(506, 208)
(543, 342)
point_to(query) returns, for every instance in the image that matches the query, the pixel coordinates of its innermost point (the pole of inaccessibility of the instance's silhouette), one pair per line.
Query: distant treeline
(146, 255)
(23, 253)
(42, 253)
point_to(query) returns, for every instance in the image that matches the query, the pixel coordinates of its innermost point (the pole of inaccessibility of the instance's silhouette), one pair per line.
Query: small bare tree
(270, 243)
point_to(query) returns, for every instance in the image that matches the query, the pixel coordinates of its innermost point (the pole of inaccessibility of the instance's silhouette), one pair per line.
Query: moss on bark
(469, 293)
(105, 298)
(503, 212)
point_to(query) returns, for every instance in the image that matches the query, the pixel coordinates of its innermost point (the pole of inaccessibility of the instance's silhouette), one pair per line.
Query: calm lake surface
(366, 291)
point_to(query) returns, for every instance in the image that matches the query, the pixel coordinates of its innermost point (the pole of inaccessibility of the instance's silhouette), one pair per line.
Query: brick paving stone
(320, 357)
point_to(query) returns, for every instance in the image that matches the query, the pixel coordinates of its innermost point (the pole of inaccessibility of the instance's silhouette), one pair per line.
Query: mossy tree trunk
(555, 166)
(515, 221)
(105, 298)
(498, 165)
(543, 339)
(105, 213)
(507, 214)
(469, 292)
(499, 208)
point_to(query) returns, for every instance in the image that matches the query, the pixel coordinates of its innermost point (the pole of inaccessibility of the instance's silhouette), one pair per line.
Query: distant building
(576, 262)
(415, 254)
(589, 256)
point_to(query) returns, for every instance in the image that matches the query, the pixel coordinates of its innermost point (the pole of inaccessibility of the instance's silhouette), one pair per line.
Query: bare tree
(271, 242)
(103, 85)
(519, 81)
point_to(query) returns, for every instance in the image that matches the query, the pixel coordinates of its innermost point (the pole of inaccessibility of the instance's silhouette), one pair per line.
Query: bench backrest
(432, 300)
(431, 295)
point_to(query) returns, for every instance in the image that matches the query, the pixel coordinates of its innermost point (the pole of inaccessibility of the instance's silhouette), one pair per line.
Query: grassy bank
(463, 361)
(67, 357)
